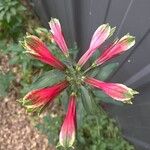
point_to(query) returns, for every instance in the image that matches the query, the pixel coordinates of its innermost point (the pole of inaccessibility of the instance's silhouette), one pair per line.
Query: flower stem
(90, 68)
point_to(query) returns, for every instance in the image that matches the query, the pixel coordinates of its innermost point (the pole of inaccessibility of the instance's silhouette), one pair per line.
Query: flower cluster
(74, 74)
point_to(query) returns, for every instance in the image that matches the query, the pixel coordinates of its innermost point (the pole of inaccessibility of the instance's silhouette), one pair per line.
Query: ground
(17, 131)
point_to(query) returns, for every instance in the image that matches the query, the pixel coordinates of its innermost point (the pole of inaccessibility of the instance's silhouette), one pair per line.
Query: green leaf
(106, 71)
(4, 83)
(47, 120)
(74, 51)
(14, 60)
(2, 44)
(13, 3)
(6, 8)
(21, 8)
(8, 16)
(1, 8)
(2, 15)
(64, 99)
(95, 55)
(94, 72)
(101, 96)
(88, 103)
(35, 63)
(80, 112)
(47, 79)
(13, 11)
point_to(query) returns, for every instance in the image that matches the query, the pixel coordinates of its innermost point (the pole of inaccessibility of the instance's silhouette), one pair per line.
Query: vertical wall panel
(89, 14)
(137, 23)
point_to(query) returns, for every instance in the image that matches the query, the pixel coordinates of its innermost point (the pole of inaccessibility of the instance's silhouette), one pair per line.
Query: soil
(17, 132)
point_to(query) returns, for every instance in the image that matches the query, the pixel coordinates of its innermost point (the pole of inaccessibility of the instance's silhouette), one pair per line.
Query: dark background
(80, 18)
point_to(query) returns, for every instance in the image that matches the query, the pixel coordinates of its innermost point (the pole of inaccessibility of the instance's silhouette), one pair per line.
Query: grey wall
(80, 18)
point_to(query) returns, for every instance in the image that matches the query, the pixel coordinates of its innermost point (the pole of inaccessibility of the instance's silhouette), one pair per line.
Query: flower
(35, 47)
(117, 91)
(99, 36)
(118, 47)
(67, 133)
(58, 36)
(74, 77)
(41, 97)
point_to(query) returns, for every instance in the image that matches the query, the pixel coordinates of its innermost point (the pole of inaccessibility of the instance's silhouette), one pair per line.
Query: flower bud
(57, 35)
(118, 47)
(116, 91)
(68, 129)
(99, 36)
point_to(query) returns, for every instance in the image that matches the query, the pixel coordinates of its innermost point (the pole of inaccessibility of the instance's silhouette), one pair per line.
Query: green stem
(90, 68)
(97, 121)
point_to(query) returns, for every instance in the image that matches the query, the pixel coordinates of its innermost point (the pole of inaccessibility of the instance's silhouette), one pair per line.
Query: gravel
(16, 130)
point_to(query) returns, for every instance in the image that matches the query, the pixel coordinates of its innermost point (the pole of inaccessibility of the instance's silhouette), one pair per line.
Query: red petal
(39, 50)
(43, 96)
(117, 91)
(67, 133)
(58, 35)
(99, 36)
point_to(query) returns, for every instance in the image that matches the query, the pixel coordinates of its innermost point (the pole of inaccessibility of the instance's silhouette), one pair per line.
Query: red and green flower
(74, 73)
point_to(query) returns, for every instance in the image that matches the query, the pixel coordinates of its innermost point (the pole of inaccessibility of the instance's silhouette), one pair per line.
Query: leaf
(35, 63)
(47, 120)
(13, 11)
(14, 60)
(94, 72)
(87, 102)
(95, 55)
(8, 16)
(2, 15)
(74, 51)
(6, 8)
(13, 3)
(47, 79)
(101, 96)
(21, 8)
(2, 45)
(64, 99)
(4, 83)
(106, 71)
(80, 112)
(1, 8)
